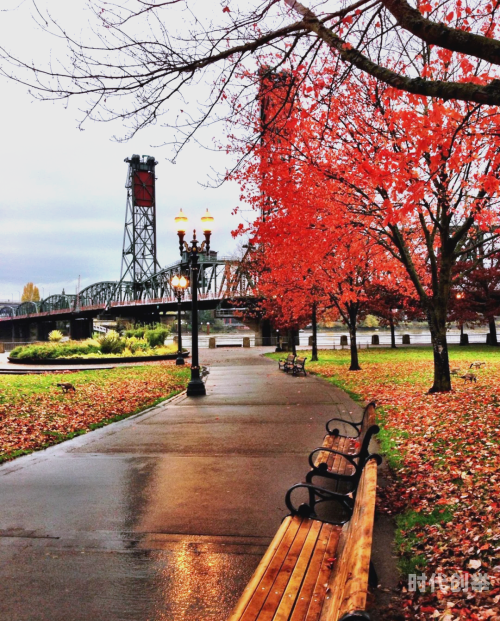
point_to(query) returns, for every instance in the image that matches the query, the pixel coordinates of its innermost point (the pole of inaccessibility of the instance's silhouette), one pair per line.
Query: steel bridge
(144, 289)
(221, 279)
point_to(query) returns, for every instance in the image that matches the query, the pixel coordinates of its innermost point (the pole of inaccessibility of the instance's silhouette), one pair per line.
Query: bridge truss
(142, 282)
(220, 279)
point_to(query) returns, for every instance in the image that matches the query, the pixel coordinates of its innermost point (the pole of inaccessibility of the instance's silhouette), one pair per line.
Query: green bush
(111, 343)
(49, 351)
(137, 333)
(55, 336)
(135, 344)
(156, 337)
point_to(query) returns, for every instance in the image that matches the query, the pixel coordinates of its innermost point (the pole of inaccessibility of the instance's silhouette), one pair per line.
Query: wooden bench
(342, 458)
(286, 364)
(315, 570)
(299, 366)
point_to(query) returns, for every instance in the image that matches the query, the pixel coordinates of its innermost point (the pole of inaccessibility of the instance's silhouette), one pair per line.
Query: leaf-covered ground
(444, 451)
(36, 413)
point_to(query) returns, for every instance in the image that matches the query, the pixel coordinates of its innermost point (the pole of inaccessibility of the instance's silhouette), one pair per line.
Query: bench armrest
(319, 495)
(349, 458)
(336, 432)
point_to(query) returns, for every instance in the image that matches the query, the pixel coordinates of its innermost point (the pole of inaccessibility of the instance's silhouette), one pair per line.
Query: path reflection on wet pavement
(164, 516)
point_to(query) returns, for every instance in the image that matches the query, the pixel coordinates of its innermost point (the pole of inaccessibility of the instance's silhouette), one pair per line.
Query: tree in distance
(30, 293)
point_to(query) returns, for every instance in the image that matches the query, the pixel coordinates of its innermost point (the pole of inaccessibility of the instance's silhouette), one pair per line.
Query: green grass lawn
(35, 413)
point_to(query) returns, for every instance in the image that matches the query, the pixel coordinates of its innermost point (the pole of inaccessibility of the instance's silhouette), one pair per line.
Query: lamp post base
(179, 360)
(196, 388)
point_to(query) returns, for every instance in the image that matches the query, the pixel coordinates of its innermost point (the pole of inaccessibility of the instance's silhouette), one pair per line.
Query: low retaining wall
(103, 360)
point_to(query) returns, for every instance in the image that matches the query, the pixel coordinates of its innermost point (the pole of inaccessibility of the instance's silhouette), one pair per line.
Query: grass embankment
(35, 413)
(444, 452)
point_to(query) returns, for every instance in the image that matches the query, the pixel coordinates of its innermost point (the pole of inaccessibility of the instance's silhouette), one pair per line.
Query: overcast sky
(62, 202)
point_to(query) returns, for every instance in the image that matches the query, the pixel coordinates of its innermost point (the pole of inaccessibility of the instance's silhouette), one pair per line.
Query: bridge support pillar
(21, 332)
(80, 329)
(6, 331)
(262, 329)
(43, 330)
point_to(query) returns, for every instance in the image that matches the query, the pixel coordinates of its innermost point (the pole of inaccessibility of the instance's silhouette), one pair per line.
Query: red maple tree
(419, 177)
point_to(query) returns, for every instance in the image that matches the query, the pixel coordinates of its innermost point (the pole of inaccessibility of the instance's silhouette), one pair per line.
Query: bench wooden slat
(319, 593)
(349, 579)
(279, 584)
(356, 589)
(322, 552)
(337, 444)
(297, 577)
(281, 543)
(368, 419)
(335, 462)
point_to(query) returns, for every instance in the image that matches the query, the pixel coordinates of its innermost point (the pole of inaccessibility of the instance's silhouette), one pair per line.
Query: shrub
(157, 336)
(160, 333)
(102, 345)
(137, 333)
(55, 336)
(135, 344)
(371, 322)
(49, 351)
(111, 343)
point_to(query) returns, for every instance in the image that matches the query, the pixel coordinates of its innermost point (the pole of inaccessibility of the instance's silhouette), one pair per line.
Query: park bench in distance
(342, 458)
(316, 570)
(299, 366)
(286, 364)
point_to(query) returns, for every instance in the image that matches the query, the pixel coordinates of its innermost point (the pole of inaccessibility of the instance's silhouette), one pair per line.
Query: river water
(331, 339)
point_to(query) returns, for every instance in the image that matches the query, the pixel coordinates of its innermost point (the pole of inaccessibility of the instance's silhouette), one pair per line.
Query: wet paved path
(163, 516)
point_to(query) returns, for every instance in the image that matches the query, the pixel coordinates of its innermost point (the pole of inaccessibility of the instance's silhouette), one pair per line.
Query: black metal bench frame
(319, 495)
(287, 364)
(299, 366)
(356, 460)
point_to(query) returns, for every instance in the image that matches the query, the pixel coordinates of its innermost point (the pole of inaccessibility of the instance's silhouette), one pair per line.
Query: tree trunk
(314, 356)
(437, 326)
(393, 333)
(353, 318)
(493, 331)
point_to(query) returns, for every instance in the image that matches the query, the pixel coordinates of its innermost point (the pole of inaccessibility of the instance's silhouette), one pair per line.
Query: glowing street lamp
(179, 284)
(196, 386)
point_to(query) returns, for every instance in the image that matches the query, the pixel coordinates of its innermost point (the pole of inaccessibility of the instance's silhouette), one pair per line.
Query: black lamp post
(196, 386)
(179, 284)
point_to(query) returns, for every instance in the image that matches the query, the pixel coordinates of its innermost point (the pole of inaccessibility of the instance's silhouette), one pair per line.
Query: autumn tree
(478, 299)
(137, 61)
(308, 255)
(392, 302)
(30, 293)
(419, 177)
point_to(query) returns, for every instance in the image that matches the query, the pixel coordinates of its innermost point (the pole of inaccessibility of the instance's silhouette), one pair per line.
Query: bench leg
(372, 576)
(358, 615)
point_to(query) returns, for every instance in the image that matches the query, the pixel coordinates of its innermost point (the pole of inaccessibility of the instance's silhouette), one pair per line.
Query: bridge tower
(139, 240)
(276, 100)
